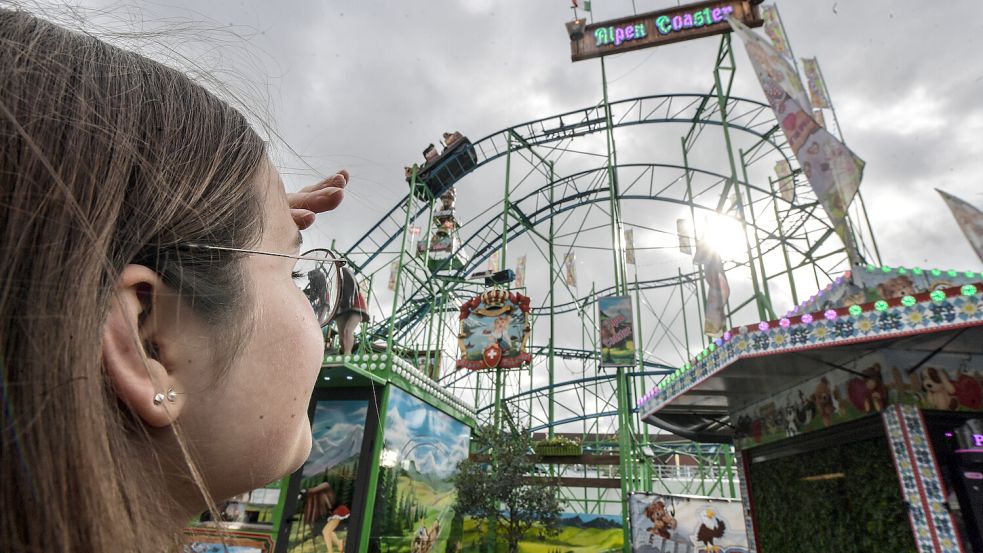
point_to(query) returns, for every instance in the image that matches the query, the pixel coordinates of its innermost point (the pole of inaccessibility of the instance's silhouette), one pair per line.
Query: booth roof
(754, 362)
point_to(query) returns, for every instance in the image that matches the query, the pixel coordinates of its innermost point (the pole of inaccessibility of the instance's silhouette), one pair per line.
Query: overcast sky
(366, 85)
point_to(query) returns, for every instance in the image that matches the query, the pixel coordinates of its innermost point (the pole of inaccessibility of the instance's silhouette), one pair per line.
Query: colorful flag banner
(817, 114)
(630, 246)
(786, 184)
(774, 30)
(970, 220)
(833, 171)
(365, 288)
(570, 268)
(718, 289)
(393, 270)
(771, 68)
(520, 272)
(817, 88)
(415, 244)
(685, 233)
(617, 331)
(493, 261)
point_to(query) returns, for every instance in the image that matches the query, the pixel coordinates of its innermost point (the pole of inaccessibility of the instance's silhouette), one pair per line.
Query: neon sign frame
(687, 22)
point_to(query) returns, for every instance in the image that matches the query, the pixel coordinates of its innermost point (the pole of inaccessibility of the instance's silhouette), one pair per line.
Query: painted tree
(504, 486)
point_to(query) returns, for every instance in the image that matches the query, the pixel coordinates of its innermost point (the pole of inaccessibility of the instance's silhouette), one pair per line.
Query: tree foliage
(504, 485)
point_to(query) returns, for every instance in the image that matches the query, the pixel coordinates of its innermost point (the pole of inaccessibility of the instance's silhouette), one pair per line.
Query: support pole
(722, 95)
(553, 275)
(402, 258)
(621, 287)
(373, 485)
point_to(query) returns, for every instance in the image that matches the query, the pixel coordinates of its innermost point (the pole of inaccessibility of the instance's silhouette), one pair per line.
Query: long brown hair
(106, 158)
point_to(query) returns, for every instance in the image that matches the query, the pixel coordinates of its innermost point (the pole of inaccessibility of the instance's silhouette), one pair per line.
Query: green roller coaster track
(557, 199)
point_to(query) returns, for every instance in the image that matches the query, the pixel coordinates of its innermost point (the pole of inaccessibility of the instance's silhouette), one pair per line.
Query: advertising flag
(365, 287)
(786, 184)
(617, 331)
(493, 261)
(520, 272)
(817, 114)
(833, 171)
(685, 233)
(970, 221)
(718, 289)
(630, 246)
(773, 28)
(817, 88)
(393, 269)
(570, 268)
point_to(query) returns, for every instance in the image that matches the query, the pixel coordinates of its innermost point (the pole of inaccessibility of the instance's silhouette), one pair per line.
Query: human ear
(130, 353)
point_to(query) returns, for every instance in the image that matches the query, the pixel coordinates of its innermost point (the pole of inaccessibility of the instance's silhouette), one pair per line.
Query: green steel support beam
(373, 485)
(552, 353)
(402, 256)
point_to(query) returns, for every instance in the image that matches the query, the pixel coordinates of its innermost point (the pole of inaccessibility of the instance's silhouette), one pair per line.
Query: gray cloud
(367, 85)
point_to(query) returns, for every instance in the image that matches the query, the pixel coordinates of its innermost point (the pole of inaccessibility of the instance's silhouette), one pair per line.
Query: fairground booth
(856, 415)
(386, 441)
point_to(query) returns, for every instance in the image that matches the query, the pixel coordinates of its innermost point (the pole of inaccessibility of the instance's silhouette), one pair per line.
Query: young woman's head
(110, 166)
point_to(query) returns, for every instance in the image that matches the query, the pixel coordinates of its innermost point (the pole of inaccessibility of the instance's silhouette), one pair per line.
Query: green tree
(503, 485)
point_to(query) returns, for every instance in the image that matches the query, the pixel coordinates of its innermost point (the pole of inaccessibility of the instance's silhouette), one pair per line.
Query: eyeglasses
(317, 274)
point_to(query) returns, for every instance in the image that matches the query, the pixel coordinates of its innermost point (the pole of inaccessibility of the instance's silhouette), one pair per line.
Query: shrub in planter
(558, 446)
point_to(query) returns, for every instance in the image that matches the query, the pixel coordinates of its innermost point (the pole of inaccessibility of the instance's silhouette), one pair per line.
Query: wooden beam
(586, 459)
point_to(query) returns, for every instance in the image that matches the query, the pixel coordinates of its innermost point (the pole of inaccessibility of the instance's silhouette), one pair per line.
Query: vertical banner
(683, 524)
(817, 114)
(786, 184)
(570, 268)
(520, 272)
(685, 233)
(617, 331)
(393, 270)
(833, 171)
(773, 28)
(630, 246)
(969, 219)
(718, 289)
(493, 261)
(817, 88)
(365, 288)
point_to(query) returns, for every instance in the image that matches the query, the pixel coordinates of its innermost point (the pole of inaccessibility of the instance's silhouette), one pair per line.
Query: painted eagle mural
(711, 528)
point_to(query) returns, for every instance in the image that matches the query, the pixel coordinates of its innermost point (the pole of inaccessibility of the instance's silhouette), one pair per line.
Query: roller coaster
(568, 194)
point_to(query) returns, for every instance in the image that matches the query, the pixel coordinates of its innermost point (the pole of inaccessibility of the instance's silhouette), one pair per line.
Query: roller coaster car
(441, 172)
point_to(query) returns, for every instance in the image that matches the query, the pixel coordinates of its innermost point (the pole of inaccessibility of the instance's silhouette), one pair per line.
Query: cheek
(299, 342)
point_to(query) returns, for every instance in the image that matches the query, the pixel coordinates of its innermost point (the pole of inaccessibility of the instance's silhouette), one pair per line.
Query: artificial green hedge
(863, 511)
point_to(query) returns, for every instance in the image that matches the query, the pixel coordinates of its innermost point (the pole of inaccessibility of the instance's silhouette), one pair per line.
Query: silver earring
(158, 398)
(171, 395)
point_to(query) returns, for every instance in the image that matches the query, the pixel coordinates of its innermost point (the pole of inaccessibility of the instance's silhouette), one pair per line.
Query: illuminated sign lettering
(692, 20)
(978, 440)
(618, 35)
(656, 28)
